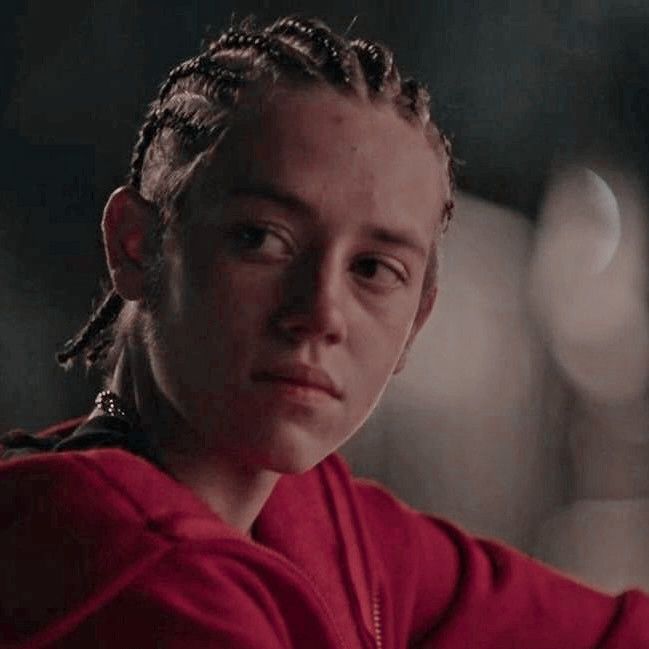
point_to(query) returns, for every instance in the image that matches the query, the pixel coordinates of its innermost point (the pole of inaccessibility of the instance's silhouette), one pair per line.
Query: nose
(312, 307)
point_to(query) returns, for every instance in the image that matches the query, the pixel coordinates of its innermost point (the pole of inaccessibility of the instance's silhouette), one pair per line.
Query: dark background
(520, 86)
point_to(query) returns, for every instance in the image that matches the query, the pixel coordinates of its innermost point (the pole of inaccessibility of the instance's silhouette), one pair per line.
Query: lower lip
(297, 391)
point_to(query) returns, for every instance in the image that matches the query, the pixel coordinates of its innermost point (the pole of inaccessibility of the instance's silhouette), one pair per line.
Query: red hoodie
(99, 548)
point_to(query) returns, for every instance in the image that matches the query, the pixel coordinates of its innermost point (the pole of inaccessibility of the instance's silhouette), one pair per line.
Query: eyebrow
(294, 203)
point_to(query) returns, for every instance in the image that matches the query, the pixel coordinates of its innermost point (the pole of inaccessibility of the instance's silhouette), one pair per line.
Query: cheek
(223, 313)
(239, 299)
(382, 331)
(376, 347)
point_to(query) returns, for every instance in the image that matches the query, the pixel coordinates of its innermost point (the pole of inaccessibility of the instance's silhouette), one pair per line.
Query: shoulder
(76, 527)
(95, 493)
(96, 540)
(60, 521)
(19, 442)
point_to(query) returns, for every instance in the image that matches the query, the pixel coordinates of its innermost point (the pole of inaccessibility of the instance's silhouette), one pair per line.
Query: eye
(261, 239)
(379, 273)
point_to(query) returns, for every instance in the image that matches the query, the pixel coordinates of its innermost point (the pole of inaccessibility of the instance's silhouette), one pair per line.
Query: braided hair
(197, 100)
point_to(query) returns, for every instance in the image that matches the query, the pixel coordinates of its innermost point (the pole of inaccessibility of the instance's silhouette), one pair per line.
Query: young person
(272, 258)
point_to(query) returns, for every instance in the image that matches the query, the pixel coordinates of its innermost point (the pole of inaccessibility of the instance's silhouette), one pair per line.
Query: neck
(236, 493)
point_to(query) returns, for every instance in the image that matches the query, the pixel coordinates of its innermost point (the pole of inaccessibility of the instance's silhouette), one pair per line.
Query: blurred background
(523, 414)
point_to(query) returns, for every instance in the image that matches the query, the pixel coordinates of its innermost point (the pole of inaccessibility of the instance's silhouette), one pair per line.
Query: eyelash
(398, 275)
(238, 234)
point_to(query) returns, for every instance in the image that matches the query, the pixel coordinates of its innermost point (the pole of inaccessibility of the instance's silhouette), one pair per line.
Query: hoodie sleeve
(452, 590)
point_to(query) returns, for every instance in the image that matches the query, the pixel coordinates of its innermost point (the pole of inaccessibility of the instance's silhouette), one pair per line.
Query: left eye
(261, 239)
(378, 272)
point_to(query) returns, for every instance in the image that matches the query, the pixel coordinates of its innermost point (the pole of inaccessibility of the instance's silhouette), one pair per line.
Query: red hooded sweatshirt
(100, 548)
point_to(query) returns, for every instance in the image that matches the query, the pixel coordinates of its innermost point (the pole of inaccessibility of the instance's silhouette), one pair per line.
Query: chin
(291, 462)
(292, 454)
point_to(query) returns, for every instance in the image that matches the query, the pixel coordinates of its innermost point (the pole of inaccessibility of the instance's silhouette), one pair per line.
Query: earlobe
(125, 225)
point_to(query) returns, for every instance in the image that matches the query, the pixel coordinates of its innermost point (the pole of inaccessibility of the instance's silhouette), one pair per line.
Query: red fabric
(101, 549)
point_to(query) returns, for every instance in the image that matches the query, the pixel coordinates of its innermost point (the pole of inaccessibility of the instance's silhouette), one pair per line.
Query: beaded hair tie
(113, 406)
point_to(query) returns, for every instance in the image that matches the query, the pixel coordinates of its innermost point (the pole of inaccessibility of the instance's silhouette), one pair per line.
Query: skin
(277, 260)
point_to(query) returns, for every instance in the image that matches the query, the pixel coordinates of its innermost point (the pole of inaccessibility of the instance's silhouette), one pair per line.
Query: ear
(426, 304)
(127, 220)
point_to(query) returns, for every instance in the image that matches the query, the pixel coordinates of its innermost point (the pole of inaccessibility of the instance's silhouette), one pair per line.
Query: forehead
(336, 153)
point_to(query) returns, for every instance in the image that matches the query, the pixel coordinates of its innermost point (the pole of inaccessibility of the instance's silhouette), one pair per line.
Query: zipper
(309, 585)
(376, 618)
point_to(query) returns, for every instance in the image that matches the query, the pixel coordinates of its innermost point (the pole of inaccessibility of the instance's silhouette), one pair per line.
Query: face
(295, 283)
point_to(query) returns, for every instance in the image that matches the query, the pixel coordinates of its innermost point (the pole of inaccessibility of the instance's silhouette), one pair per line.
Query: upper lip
(307, 375)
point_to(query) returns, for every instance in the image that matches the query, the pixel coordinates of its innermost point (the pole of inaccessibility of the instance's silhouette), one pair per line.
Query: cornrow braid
(203, 65)
(411, 89)
(277, 51)
(98, 349)
(193, 105)
(449, 205)
(376, 62)
(187, 126)
(144, 139)
(102, 317)
(314, 34)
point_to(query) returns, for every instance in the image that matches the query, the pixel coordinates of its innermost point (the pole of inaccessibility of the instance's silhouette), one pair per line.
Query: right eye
(259, 239)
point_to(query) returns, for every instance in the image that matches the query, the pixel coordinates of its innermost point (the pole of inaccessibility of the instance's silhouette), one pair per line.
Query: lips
(304, 375)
